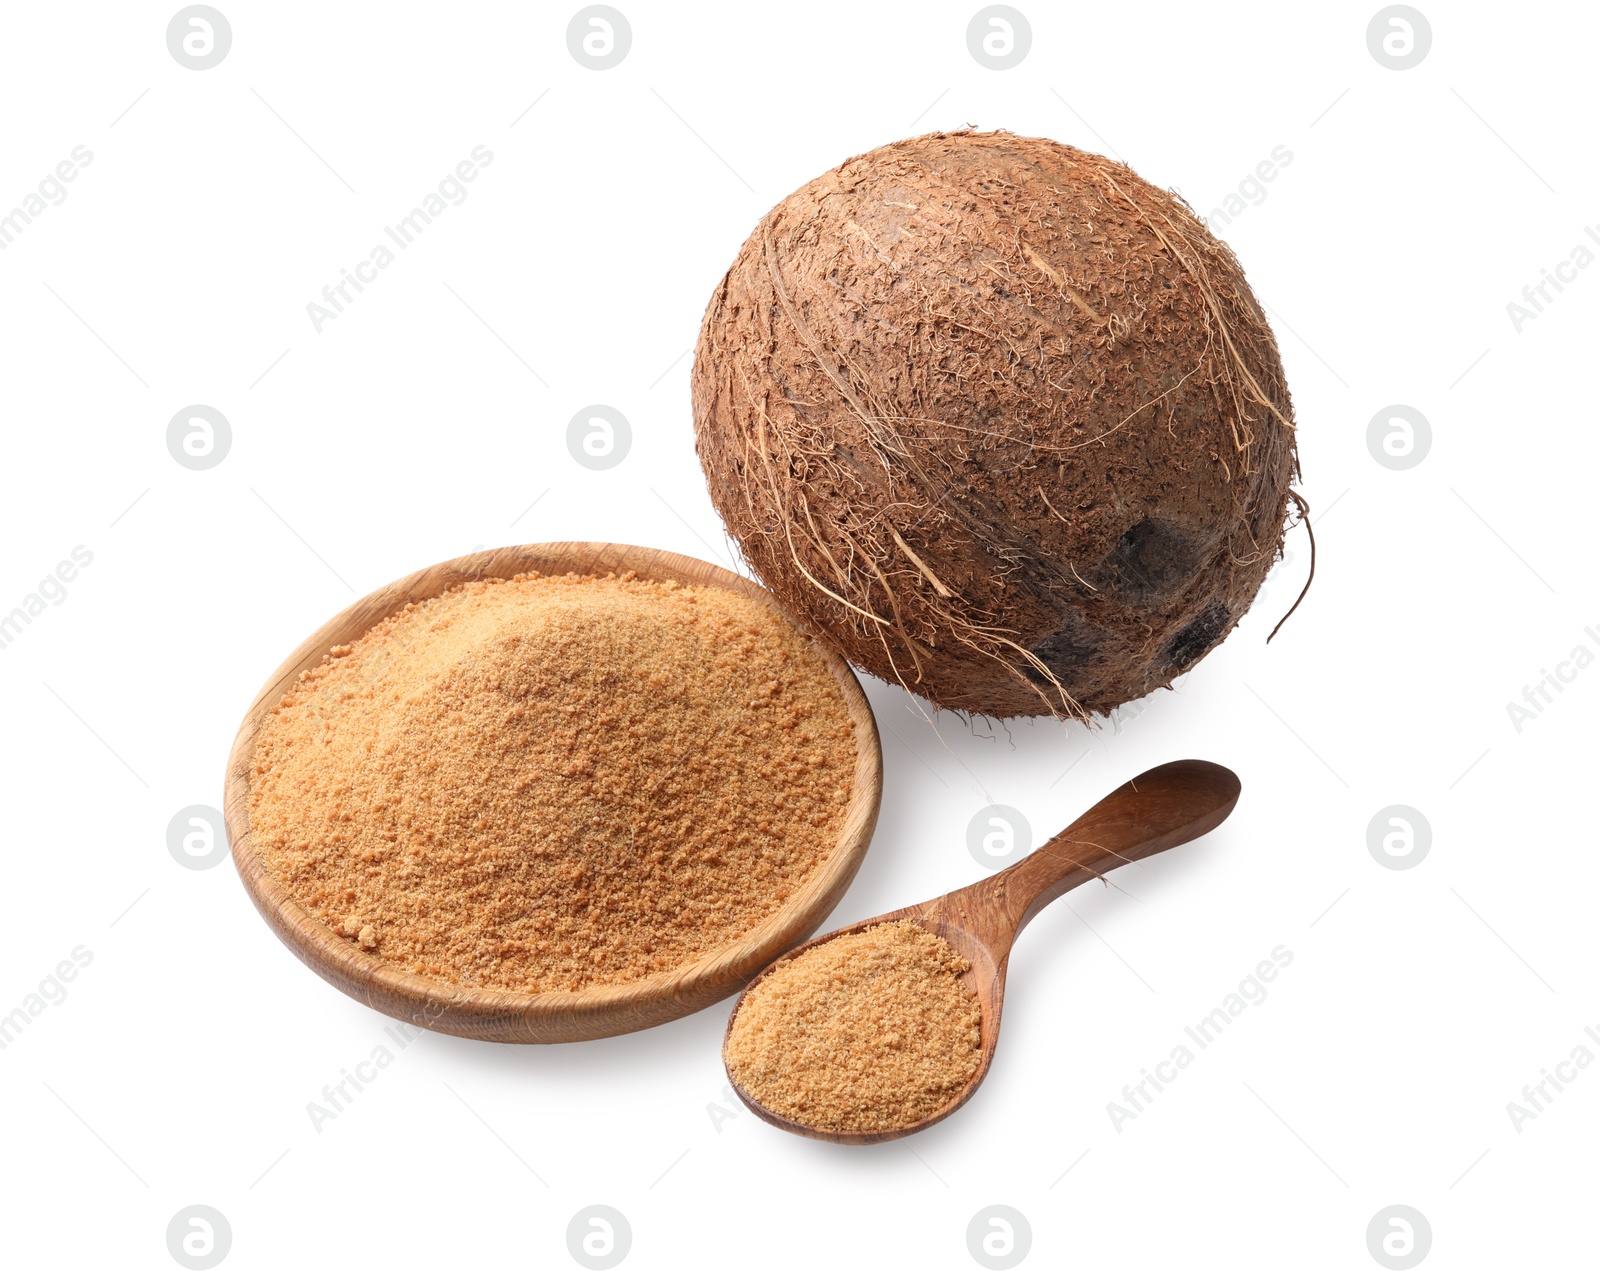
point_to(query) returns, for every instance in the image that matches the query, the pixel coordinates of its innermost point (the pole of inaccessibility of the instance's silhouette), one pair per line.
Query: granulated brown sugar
(871, 1031)
(546, 783)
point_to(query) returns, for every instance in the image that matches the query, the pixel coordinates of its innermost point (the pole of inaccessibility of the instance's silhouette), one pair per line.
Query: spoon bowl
(1156, 810)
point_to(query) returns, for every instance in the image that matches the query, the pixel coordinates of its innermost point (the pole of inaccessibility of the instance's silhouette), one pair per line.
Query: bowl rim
(599, 1010)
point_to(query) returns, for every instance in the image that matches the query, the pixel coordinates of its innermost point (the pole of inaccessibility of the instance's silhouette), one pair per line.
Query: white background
(427, 418)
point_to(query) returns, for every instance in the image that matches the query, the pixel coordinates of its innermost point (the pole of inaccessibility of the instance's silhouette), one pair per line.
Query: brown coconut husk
(1000, 418)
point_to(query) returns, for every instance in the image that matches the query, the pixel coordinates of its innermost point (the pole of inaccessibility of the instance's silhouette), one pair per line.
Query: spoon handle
(1161, 808)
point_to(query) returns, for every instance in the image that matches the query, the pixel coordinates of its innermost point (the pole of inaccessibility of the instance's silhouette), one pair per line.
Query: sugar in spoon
(1159, 809)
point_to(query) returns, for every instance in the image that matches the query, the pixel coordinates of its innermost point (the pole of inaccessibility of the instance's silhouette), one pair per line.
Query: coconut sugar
(870, 1031)
(546, 783)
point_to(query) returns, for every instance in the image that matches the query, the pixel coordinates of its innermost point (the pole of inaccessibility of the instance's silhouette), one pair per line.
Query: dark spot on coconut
(1195, 639)
(1155, 557)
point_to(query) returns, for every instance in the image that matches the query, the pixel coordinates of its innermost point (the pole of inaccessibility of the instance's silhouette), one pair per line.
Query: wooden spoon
(1162, 808)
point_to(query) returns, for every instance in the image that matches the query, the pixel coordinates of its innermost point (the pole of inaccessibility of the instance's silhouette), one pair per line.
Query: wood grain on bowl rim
(600, 1010)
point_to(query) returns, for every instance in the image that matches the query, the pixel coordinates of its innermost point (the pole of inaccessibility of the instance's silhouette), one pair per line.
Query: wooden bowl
(601, 1010)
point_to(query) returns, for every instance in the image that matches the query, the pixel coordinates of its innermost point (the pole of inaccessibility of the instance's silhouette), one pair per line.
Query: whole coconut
(1001, 419)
